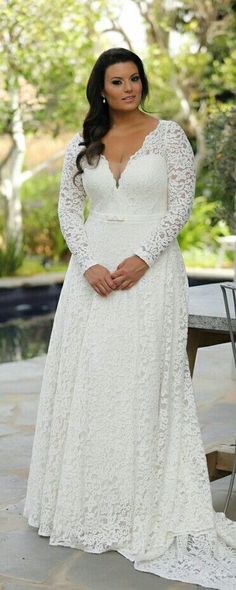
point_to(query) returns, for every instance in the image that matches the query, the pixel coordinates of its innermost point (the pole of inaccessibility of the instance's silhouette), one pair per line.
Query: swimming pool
(25, 338)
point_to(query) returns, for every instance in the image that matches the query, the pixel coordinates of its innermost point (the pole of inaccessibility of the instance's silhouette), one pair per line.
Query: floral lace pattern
(181, 188)
(71, 208)
(118, 460)
(178, 155)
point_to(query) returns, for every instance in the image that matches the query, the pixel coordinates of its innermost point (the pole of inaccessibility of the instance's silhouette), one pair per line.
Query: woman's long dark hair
(97, 121)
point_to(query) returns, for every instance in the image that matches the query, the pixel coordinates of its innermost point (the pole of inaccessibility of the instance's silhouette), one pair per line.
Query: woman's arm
(181, 189)
(71, 206)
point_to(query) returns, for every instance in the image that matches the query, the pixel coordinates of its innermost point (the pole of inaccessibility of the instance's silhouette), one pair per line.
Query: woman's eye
(134, 79)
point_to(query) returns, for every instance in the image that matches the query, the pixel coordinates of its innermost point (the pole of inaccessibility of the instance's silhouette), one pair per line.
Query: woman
(118, 462)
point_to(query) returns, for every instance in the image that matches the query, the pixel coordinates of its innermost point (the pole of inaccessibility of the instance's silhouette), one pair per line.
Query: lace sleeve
(181, 188)
(71, 207)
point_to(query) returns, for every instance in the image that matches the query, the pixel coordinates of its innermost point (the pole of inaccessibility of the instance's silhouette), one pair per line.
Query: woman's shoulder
(74, 142)
(173, 131)
(171, 125)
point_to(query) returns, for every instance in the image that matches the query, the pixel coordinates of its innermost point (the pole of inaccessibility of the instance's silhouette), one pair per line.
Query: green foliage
(42, 234)
(202, 229)
(160, 70)
(220, 166)
(50, 47)
(10, 258)
(34, 265)
(30, 266)
(41, 228)
(198, 258)
(200, 68)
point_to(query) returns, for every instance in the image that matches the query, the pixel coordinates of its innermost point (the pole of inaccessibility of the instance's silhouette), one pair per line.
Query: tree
(189, 80)
(45, 50)
(221, 162)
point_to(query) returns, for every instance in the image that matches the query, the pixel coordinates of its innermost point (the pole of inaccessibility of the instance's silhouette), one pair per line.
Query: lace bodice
(164, 180)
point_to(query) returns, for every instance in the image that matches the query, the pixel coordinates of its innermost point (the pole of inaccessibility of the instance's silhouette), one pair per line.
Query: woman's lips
(129, 98)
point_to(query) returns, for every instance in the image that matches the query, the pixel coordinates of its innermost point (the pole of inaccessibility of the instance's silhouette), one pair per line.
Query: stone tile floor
(27, 561)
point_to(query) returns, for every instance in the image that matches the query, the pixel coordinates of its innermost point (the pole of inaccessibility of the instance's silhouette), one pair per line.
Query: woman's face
(121, 81)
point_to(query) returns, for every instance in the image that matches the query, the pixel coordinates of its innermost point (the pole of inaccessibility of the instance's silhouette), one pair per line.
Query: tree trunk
(11, 175)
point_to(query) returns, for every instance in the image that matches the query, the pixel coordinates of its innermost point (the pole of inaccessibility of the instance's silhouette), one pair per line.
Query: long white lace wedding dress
(118, 461)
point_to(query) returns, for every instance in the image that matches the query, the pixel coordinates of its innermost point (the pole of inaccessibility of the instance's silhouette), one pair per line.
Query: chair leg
(232, 288)
(231, 483)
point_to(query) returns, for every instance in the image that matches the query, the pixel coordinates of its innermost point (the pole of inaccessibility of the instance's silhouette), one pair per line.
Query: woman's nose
(128, 86)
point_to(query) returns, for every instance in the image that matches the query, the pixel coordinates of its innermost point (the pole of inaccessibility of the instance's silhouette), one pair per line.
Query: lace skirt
(118, 461)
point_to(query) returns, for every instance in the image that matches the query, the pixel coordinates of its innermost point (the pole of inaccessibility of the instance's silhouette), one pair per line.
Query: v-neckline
(117, 183)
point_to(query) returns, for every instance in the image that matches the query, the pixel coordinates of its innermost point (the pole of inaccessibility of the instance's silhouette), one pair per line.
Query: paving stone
(112, 570)
(11, 518)
(218, 426)
(219, 490)
(7, 429)
(212, 378)
(17, 585)
(7, 410)
(29, 556)
(15, 451)
(12, 488)
(16, 507)
(6, 584)
(22, 376)
(27, 413)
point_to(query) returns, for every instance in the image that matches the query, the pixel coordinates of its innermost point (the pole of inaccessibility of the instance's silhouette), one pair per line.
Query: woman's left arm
(181, 188)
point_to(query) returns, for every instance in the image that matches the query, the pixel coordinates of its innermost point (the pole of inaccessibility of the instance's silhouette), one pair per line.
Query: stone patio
(27, 561)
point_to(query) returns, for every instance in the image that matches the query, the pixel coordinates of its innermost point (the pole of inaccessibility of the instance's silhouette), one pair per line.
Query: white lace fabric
(71, 208)
(118, 460)
(181, 188)
(179, 157)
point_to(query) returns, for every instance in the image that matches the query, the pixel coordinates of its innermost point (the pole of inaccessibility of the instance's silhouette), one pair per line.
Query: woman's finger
(110, 285)
(117, 273)
(125, 284)
(102, 288)
(97, 290)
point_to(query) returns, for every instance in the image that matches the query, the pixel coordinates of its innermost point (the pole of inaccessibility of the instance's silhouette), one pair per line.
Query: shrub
(219, 171)
(203, 228)
(10, 258)
(42, 234)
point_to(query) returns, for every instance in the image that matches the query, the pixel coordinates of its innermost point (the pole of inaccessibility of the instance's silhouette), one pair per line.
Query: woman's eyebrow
(120, 78)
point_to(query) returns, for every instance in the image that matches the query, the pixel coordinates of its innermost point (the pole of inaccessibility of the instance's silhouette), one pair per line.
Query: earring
(103, 99)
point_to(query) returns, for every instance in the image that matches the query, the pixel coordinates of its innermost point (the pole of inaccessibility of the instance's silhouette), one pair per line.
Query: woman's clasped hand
(127, 273)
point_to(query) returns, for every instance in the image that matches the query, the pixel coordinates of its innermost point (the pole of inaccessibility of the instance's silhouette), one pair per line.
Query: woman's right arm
(71, 207)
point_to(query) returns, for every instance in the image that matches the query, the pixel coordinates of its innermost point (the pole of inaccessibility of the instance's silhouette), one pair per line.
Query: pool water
(25, 338)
